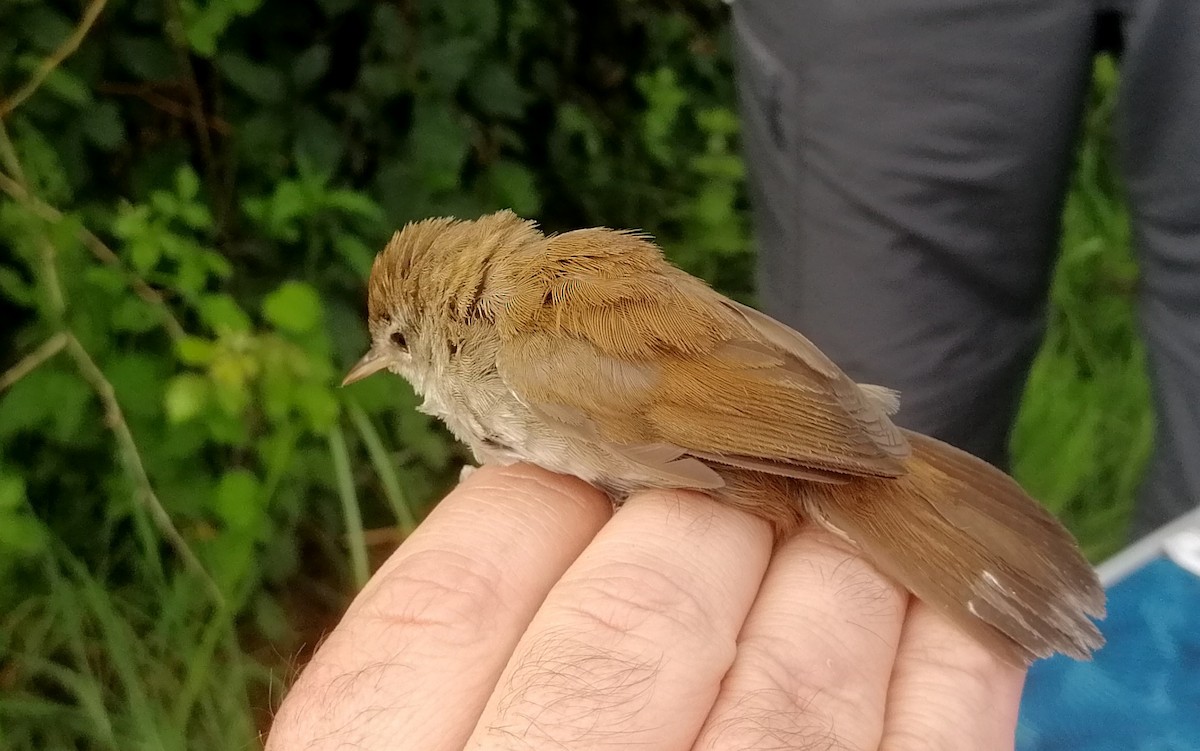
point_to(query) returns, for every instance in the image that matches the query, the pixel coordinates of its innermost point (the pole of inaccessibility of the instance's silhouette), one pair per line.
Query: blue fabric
(1142, 690)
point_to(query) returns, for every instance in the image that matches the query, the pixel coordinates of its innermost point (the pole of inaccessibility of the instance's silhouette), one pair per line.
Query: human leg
(908, 161)
(1159, 123)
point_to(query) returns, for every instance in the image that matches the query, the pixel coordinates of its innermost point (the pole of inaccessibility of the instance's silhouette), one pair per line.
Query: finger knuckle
(449, 596)
(641, 600)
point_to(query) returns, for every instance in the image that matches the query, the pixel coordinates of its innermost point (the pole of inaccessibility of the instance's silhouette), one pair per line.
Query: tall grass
(86, 667)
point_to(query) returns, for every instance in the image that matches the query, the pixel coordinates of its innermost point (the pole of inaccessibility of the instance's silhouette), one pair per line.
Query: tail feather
(964, 537)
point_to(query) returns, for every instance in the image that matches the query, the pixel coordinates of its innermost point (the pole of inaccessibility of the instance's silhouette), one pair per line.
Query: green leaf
(131, 220)
(318, 405)
(270, 618)
(310, 65)
(45, 27)
(497, 92)
(257, 81)
(148, 58)
(353, 202)
(438, 144)
(187, 184)
(16, 288)
(22, 533)
(186, 396)
(190, 274)
(50, 399)
(222, 313)
(205, 23)
(194, 350)
(230, 559)
(138, 379)
(108, 279)
(102, 125)
(134, 314)
(12, 492)
(230, 373)
(318, 141)
(515, 188)
(218, 265)
(236, 500)
(355, 252)
(664, 99)
(145, 253)
(446, 64)
(68, 87)
(295, 307)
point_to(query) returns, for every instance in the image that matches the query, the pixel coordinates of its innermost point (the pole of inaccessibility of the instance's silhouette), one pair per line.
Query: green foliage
(193, 198)
(192, 207)
(1085, 428)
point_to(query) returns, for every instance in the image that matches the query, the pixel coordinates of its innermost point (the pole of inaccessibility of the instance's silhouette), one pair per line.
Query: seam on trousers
(774, 98)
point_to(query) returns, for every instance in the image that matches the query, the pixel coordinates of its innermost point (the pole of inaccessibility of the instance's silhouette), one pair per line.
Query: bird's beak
(370, 364)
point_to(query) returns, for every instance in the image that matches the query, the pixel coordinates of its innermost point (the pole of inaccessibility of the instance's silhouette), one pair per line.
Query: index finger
(414, 660)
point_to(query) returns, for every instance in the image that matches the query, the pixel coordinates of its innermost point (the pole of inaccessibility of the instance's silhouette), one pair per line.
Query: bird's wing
(663, 361)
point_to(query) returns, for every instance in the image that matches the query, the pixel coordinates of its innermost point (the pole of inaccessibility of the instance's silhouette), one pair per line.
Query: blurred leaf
(205, 21)
(356, 253)
(258, 81)
(496, 91)
(221, 312)
(438, 144)
(318, 141)
(294, 307)
(103, 125)
(318, 406)
(134, 314)
(310, 65)
(271, 619)
(12, 493)
(193, 350)
(186, 397)
(45, 398)
(22, 533)
(447, 63)
(515, 188)
(187, 184)
(353, 202)
(46, 27)
(237, 499)
(68, 87)
(665, 99)
(147, 58)
(138, 380)
(16, 288)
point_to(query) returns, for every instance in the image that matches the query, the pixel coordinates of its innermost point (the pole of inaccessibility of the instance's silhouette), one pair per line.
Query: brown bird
(588, 353)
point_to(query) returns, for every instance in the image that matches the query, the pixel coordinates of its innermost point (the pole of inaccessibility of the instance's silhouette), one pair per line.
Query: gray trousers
(908, 163)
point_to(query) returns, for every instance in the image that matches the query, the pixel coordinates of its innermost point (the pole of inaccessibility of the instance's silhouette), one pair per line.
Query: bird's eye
(398, 339)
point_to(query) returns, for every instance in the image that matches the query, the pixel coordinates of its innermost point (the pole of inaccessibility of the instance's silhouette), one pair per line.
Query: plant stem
(68, 46)
(33, 360)
(132, 458)
(354, 526)
(383, 466)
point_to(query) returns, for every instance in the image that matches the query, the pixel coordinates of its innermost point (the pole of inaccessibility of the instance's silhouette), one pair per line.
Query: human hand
(520, 616)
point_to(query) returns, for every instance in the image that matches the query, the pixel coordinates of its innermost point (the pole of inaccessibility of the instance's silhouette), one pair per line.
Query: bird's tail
(965, 538)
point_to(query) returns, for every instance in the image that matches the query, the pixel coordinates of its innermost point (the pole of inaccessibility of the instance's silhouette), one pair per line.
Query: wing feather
(667, 362)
